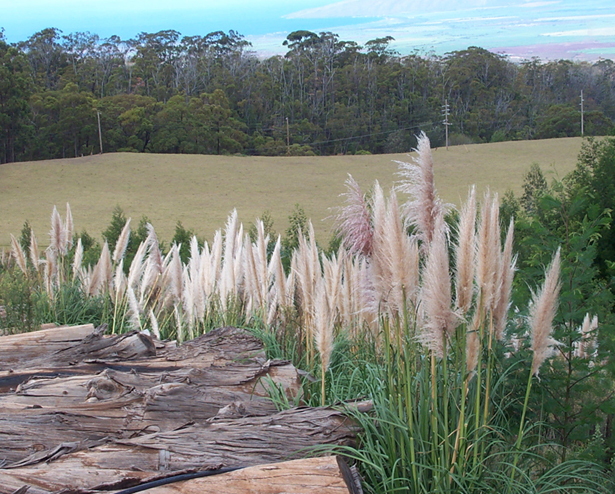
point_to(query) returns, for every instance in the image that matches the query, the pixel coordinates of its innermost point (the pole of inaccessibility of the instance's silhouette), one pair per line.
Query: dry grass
(202, 190)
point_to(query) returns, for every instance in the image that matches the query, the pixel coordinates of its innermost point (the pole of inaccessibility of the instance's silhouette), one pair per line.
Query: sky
(521, 29)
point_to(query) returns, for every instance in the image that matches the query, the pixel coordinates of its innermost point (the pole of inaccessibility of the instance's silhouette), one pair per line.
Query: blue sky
(574, 29)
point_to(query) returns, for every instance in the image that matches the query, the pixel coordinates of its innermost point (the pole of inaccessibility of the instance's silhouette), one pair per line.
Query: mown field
(201, 190)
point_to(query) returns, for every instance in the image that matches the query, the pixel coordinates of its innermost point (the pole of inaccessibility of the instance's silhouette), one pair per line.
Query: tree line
(167, 93)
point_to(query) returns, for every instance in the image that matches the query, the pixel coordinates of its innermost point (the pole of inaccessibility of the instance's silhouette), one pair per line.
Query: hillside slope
(201, 190)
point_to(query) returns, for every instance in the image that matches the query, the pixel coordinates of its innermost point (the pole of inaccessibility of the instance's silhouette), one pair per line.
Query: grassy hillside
(201, 190)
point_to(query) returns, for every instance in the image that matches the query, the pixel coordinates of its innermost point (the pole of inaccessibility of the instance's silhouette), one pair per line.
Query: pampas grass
(323, 331)
(122, 243)
(18, 255)
(465, 254)
(488, 253)
(542, 312)
(353, 221)
(34, 253)
(441, 321)
(424, 206)
(506, 271)
(68, 227)
(57, 234)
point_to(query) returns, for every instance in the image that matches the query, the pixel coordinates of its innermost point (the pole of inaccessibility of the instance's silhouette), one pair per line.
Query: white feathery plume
(137, 266)
(122, 242)
(216, 263)
(227, 276)
(106, 268)
(496, 241)
(188, 302)
(582, 347)
(195, 255)
(465, 253)
(19, 255)
(252, 284)
(119, 280)
(85, 276)
(316, 269)
(57, 233)
(78, 260)
(174, 274)
(154, 323)
(424, 206)
(149, 280)
(195, 279)
(34, 252)
(402, 260)
(488, 253)
(276, 272)
(323, 325)
(94, 280)
(154, 248)
(69, 228)
(291, 282)
(380, 270)
(436, 294)
(238, 274)
(264, 277)
(332, 277)
(542, 313)
(506, 273)
(133, 309)
(50, 271)
(205, 273)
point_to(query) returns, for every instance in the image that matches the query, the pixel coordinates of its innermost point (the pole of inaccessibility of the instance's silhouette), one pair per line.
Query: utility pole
(287, 138)
(446, 113)
(582, 129)
(99, 132)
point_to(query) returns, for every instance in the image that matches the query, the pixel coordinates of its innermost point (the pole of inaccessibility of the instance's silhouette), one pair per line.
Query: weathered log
(221, 442)
(325, 475)
(87, 399)
(87, 412)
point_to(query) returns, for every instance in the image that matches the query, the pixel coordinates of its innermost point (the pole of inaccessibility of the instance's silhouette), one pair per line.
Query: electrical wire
(177, 478)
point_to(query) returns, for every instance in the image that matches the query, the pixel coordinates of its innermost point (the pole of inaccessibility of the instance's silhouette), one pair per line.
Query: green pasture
(201, 190)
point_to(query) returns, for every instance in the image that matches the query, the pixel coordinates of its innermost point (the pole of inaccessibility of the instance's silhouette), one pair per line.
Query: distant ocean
(548, 29)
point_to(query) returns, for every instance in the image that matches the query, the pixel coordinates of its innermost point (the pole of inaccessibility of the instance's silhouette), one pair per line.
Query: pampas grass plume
(353, 222)
(507, 271)
(436, 295)
(78, 259)
(34, 252)
(57, 233)
(424, 206)
(69, 226)
(466, 245)
(122, 243)
(18, 254)
(542, 312)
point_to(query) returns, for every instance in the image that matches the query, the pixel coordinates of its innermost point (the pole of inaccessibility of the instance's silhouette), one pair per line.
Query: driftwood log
(82, 412)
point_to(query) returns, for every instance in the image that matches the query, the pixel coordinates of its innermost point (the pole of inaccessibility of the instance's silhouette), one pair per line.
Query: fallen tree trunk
(327, 474)
(89, 413)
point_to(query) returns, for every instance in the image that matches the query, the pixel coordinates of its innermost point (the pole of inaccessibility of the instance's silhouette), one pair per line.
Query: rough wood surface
(82, 412)
(305, 476)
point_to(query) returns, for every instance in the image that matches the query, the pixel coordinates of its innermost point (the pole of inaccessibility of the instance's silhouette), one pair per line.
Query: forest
(167, 93)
